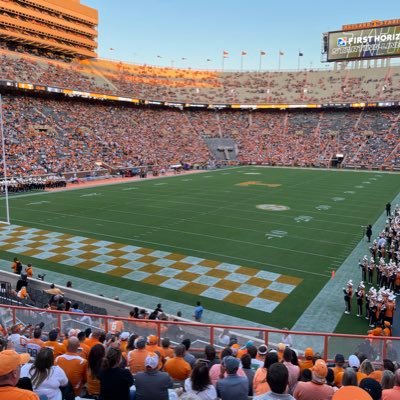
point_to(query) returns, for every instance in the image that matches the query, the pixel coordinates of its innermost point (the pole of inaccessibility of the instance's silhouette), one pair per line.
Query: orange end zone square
(227, 285)
(151, 269)
(119, 271)
(210, 263)
(144, 251)
(88, 247)
(181, 265)
(262, 283)
(187, 276)
(117, 246)
(144, 259)
(118, 262)
(88, 264)
(175, 257)
(239, 299)
(272, 295)
(30, 253)
(88, 255)
(58, 258)
(154, 279)
(246, 271)
(290, 280)
(194, 288)
(216, 273)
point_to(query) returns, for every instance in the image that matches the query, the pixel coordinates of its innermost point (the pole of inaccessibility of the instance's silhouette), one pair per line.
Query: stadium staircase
(223, 149)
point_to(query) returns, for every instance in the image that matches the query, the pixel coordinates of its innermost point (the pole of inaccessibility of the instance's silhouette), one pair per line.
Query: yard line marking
(178, 247)
(188, 233)
(90, 194)
(39, 202)
(132, 188)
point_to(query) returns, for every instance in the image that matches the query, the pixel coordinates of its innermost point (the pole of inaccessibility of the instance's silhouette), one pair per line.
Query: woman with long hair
(114, 380)
(199, 382)
(95, 359)
(46, 378)
(387, 381)
(260, 385)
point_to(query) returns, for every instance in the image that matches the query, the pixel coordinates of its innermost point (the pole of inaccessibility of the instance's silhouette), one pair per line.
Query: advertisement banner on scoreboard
(364, 43)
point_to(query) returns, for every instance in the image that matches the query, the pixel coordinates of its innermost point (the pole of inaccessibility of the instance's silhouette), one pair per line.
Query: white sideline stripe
(175, 247)
(180, 231)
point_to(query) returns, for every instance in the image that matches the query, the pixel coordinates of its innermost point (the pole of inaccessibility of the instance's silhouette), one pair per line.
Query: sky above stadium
(191, 33)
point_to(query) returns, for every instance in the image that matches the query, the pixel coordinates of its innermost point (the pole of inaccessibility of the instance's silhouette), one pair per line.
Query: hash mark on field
(131, 188)
(160, 184)
(38, 202)
(90, 194)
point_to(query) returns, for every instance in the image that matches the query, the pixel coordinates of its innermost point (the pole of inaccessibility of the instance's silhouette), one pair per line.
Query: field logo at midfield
(272, 207)
(258, 183)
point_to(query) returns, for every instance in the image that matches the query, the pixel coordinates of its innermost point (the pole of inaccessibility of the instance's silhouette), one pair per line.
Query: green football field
(285, 228)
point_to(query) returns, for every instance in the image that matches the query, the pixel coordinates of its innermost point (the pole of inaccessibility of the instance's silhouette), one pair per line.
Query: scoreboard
(373, 42)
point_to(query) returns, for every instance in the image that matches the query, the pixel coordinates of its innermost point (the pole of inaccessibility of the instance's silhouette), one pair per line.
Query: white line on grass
(175, 247)
(184, 232)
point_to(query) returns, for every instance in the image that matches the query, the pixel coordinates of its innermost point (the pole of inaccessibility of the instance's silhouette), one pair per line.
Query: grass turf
(209, 215)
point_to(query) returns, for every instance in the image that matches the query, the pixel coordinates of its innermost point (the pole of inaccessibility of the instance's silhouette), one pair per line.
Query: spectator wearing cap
(115, 382)
(10, 367)
(316, 389)
(74, 366)
(153, 347)
(293, 370)
(136, 358)
(215, 370)
(189, 358)
(307, 363)
(351, 393)
(123, 341)
(354, 363)
(260, 384)
(278, 379)
(262, 352)
(339, 362)
(53, 344)
(394, 393)
(152, 383)
(177, 367)
(232, 386)
(372, 387)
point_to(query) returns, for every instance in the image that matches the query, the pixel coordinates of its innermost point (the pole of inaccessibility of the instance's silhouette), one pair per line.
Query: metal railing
(327, 344)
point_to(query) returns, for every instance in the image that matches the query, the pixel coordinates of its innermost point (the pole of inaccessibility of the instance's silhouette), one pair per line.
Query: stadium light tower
(3, 145)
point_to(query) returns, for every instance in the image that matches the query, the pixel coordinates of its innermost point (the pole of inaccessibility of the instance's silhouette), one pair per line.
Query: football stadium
(184, 233)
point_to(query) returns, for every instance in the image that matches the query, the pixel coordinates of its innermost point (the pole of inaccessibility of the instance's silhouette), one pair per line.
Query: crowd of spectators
(54, 136)
(126, 365)
(196, 86)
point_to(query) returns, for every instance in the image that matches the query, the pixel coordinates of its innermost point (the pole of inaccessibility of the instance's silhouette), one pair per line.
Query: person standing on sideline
(368, 232)
(348, 294)
(198, 312)
(388, 209)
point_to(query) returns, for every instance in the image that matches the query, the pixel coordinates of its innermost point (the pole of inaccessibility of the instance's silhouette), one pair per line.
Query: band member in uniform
(348, 294)
(363, 264)
(371, 268)
(360, 294)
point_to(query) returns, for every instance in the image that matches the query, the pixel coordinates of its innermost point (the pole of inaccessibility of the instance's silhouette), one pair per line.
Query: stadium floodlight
(3, 145)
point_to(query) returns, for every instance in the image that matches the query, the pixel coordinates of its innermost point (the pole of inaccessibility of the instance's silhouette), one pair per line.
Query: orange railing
(327, 344)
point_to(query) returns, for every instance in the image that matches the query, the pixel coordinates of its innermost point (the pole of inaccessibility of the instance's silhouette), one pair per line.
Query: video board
(367, 43)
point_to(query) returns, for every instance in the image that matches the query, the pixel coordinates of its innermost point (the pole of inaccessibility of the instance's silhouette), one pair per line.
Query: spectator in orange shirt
(177, 367)
(168, 351)
(153, 347)
(93, 339)
(58, 348)
(116, 327)
(95, 360)
(29, 270)
(307, 363)
(73, 365)
(136, 358)
(34, 345)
